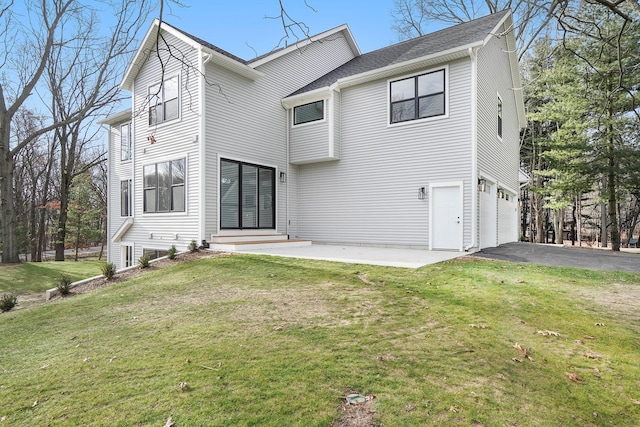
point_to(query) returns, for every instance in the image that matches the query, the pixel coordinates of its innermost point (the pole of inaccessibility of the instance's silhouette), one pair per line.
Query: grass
(37, 277)
(276, 342)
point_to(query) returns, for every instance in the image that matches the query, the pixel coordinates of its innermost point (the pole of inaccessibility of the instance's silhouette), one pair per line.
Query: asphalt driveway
(592, 259)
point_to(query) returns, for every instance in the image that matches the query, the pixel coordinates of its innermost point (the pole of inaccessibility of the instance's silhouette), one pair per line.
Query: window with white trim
(127, 254)
(125, 142)
(417, 97)
(307, 113)
(164, 101)
(499, 117)
(164, 186)
(125, 198)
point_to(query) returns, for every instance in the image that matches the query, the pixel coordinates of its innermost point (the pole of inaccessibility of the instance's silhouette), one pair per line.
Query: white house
(415, 144)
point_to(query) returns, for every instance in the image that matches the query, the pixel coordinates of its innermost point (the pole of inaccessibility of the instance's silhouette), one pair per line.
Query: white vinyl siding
(262, 140)
(370, 194)
(497, 156)
(175, 139)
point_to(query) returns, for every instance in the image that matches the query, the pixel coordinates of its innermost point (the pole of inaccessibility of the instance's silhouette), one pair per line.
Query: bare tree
(51, 28)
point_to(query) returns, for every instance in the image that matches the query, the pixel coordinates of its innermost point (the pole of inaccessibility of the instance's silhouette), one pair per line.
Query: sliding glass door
(247, 195)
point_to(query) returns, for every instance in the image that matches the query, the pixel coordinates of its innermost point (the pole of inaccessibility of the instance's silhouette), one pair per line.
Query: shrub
(143, 261)
(171, 253)
(64, 284)
(193, 246)
(108, 270)
(8, 301)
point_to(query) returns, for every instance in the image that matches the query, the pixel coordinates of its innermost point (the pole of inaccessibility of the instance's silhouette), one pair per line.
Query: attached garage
(507, 217)
(488, 215)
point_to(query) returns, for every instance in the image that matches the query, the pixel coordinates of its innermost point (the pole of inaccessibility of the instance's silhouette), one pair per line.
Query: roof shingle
(439, 41)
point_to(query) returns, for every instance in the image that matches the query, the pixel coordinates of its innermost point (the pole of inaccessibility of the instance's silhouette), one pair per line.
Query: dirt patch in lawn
(358, 414)
(620, 299)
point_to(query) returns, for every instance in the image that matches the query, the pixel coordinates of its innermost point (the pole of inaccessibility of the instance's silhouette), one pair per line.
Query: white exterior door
(445, 208)
(488, 216)
(507, 219)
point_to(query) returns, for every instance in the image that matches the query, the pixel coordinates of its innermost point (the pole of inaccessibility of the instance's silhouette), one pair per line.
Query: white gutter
(474, 149)
(288, 136)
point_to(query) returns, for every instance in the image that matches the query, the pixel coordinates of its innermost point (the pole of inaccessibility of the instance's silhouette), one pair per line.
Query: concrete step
(232, 246)
(248, 238)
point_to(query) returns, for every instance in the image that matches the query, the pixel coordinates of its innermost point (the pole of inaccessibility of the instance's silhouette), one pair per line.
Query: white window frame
(128, 145)
(127, 249)
(323, 119)
(444, 68)
(171, 186)
(160, 94)
(499, 117)
(129, 199)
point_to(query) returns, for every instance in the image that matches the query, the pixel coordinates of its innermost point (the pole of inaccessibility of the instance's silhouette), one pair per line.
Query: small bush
(143, 261)
(193, 246)
(8, 301)
(64, 284)
(108, 270)
(171, 253)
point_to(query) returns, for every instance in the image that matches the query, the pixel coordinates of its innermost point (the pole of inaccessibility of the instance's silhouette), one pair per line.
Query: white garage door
(507, 219)
(488, 216)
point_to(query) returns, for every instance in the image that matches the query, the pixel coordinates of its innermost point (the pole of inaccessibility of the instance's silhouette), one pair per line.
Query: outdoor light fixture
(151, 139)
(500, 193)
(422, 193)
(482, 185)
(283, 177)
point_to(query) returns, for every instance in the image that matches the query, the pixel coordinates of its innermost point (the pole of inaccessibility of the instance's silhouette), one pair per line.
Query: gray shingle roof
(211, 46)
(439, 41)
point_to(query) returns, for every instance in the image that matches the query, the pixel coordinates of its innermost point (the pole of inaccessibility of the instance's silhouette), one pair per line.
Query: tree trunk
(604, 232)
(9, 221)
(579, 219)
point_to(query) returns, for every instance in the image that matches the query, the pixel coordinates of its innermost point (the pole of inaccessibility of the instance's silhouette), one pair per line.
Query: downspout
(200, 139)
(474, 149)
(287, 139)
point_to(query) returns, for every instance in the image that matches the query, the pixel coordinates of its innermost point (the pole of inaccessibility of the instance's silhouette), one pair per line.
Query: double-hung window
(164, 186)
(418, 97)
(125, 142)
(125, 198)
(164, 101)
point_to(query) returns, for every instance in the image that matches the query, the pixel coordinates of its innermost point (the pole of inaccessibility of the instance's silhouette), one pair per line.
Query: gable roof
(457, 38)
(221, 56)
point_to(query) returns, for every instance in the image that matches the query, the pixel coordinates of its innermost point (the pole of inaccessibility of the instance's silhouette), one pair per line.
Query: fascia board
(232, 65)
(307, 97)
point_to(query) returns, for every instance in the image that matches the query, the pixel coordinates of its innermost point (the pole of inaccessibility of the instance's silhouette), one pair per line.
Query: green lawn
(265, 341)
(36, 277)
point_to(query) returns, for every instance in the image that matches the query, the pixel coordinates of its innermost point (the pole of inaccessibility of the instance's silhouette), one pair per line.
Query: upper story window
(125, 197)
(164, 186)
(306, 113)
(163, 101)
(125, 142)
(417, 97)
(499, 117)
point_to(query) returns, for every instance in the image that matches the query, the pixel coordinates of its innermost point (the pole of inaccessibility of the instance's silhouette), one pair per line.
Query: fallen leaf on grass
(599, 324)
(591, 356)
(169, 423)
(573, 377)
(548, 333)
(523, 351)
(515, 359)
(589, 337)
(579, 342)
(635, 402)
(213, 369)
(44, 366)
(34, 404)
(183, 386)
(480, 326)
(454, 409)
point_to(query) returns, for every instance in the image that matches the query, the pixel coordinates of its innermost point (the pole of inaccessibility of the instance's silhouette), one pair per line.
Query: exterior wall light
(422, 193)
(283, 177)
(482, 185)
